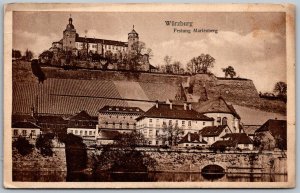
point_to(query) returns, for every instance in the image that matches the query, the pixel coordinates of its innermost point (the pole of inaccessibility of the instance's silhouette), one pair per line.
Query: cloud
(259, 55)
(35, 42)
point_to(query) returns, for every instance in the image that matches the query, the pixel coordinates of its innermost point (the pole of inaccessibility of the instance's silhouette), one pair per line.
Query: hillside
(69, 91)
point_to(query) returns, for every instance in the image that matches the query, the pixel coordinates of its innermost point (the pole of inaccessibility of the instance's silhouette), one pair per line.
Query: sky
(253, 43)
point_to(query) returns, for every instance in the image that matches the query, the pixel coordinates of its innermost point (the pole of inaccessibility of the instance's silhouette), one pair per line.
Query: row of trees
(17, 55)
(197, 65)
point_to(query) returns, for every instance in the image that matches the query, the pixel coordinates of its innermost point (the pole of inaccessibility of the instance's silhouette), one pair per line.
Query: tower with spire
(69, 36)
(133, 37)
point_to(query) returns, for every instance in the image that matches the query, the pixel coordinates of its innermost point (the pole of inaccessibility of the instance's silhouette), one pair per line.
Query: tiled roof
(238, 138)
(278, 128)
(120, 109)
(177, 112)
(194, 138)
(218, 105)
(51, 119)
(25, 125)
(82, 115)
(211, 131)
(250, 129)
(223, 143)
(23, 118)
(101, 41)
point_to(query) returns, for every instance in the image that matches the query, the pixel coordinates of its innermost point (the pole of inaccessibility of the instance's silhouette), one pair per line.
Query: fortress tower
(133, 37)
(69, 36)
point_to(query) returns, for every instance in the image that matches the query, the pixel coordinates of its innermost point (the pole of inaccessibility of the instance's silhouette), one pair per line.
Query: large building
(157, 119)
(118, 118)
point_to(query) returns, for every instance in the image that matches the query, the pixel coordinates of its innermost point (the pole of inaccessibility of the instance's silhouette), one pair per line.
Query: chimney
(190, 106)
(171, 105)
(156, 104)
(184, 106)
(200, 137)
(189, 136)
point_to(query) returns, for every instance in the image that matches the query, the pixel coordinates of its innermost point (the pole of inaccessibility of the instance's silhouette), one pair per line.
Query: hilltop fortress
(72, 44)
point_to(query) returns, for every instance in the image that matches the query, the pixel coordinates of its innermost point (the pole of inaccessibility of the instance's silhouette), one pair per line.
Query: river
(37, 176)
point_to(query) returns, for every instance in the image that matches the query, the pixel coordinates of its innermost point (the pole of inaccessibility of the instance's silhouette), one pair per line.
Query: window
(150, 142)
(246, 145)
(189, 123)
(90, 133)
(120, 125)
(24, 132)
(224, 121)
(157, 132)
(127, 125)
(183, 123)
(81, 132)
(203, 123)
(85, 133)
(76, 132)
(219, 119)
(157, 142)
(33, 132)
(150, 120)
(170, 122)
(15, 132)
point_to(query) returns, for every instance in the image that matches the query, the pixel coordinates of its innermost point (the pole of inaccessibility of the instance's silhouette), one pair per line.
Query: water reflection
(41, 176)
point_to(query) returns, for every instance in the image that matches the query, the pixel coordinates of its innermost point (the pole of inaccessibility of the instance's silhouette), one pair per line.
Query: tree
(28, 55)
(37, 71)
(23, 146)
(229, 71)
(44, 144)
(201, 64)
(123, 155)
(168, 65)
(138, 55)
(281, 90)
(16, 54)
(171, 134)
(177, 67)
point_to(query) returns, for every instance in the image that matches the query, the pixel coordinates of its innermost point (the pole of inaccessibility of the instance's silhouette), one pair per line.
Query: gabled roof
(101, 41)
(121, 109)
(25, 125)
(238, 138)
(194, 138)
(177, 112)
(217, 105)
(212, 131)
(23, 118)
(51, 119)
(278, 128)
(82, 115)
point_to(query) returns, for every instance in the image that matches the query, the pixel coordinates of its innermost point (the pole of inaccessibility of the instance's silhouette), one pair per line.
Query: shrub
(44, 144)
(23, 146)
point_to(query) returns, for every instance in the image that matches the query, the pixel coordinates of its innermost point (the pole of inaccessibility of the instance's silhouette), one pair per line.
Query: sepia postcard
(149, 96)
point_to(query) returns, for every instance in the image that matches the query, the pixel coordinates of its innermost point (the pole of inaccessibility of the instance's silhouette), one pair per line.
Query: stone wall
(196, 160)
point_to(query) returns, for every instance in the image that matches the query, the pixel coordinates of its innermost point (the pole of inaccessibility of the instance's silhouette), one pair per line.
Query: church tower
(69, 36)
(133, 37)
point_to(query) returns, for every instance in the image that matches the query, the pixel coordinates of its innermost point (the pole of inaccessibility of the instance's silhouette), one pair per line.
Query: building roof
(212, 131)
(100, 41)
(177, 112)
(82, 115)
(238, 138)
(51, 119)
(250, 129)
(194, 138)
(23, 118)
(278, 128)
(218, 105)
(25, 125)
(108, 134)
(121, 109)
